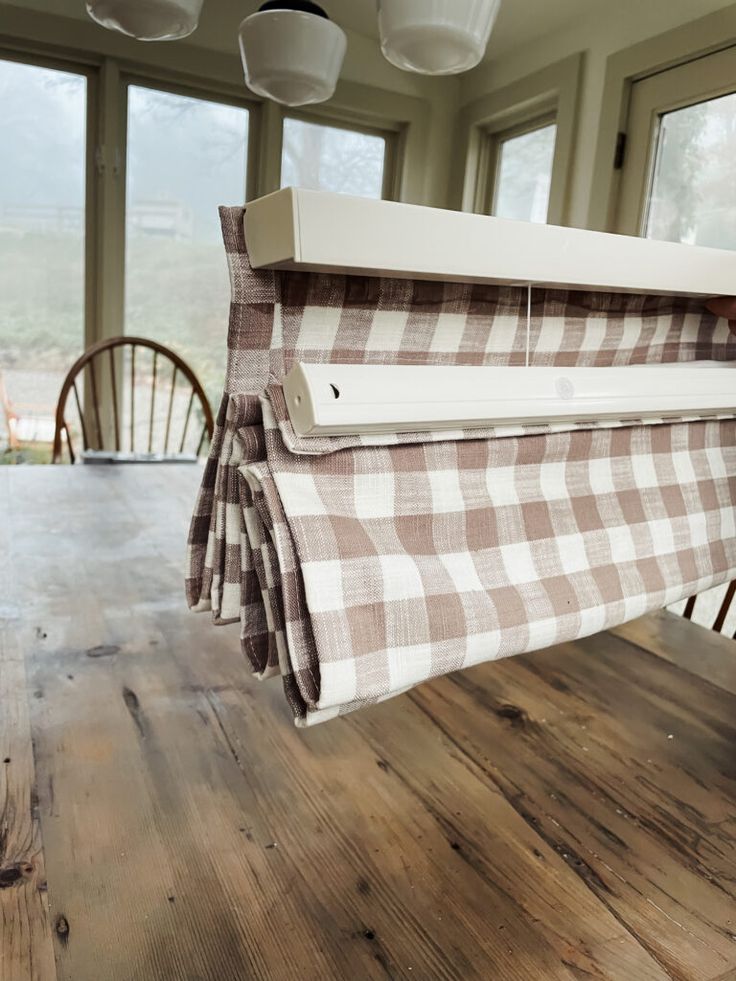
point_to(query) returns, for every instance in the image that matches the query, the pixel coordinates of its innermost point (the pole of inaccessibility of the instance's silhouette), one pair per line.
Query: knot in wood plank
(61, 927)
(513, 713)
(11, 875)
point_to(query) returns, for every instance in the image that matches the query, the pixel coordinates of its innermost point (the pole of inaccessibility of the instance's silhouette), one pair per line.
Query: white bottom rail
(342, 399)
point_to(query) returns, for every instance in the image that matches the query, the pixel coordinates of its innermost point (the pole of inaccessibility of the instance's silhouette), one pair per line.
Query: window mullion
(271, 141)
(105, 239)
(108, 211)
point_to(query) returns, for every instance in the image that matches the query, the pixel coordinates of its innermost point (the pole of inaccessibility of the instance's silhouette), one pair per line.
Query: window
(523, 173)
(330, 158)
(185, 156)
(693, 195)
(42, 238)
(677, 181)
(108, 213)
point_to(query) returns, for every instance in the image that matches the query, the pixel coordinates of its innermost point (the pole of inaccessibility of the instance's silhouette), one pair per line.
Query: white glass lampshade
(292, 53)
(147, 20)
(435, 37)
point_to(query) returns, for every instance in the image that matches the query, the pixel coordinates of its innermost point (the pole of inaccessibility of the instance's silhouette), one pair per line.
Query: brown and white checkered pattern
(367, 569)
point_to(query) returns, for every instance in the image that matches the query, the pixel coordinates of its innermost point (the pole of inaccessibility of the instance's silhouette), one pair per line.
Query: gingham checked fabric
(360, 567)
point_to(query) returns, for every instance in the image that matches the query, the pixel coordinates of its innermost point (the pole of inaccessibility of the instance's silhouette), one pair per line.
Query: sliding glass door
(185, 156)
(110, 179)
(43, 151)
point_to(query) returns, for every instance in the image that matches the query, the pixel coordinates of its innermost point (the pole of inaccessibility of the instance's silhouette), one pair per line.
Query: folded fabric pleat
(401, 563)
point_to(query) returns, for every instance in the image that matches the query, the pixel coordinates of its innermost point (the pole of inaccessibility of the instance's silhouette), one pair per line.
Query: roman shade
(360, 565)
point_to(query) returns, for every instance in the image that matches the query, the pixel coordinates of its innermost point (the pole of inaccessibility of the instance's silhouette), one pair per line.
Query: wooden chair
(117, 422)
(723, 610)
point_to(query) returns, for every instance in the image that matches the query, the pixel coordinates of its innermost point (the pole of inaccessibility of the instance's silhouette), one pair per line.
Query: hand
(724, 306)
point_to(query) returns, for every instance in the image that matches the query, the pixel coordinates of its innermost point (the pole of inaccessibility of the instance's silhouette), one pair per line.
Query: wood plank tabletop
(563, 815)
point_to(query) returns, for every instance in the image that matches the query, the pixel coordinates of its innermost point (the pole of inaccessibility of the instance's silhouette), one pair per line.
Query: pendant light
(435, 37)
(292, 52)
(147, 20)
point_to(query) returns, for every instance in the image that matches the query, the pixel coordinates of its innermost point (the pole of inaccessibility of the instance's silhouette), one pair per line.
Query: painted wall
(600, 33)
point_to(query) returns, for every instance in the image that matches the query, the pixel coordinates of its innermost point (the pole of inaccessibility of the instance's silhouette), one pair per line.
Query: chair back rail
(723, 609)
(100, 374)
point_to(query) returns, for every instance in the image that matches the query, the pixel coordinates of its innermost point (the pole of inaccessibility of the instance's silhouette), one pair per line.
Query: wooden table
(570, 814)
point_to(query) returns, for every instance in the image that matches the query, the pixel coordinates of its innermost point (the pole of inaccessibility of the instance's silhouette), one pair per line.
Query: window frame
(88, 71)
(652, 97)
(219, 96)
(552, 91)
(106, 133)
(164, 81)
(678, 46)
(110, 63)
(490, 159)
(94, 169)
(206, 93)
(353, 122)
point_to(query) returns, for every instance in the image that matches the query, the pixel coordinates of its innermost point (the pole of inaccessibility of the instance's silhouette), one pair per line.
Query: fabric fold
(402, 563)
(358, 567)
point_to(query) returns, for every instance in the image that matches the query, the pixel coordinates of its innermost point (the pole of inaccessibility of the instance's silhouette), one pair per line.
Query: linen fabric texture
(360, 566)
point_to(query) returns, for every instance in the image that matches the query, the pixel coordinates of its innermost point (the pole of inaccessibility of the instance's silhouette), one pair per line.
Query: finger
(723, 306)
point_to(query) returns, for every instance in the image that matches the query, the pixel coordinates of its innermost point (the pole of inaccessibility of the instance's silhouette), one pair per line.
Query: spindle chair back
(723, 610)
(104, 404)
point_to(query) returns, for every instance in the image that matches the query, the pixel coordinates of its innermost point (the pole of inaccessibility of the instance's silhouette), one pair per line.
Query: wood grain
(26, 950)
(710, 655)
(626, 768)
(523, 821)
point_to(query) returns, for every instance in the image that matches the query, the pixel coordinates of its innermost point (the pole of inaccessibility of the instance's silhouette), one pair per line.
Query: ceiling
(519, 21)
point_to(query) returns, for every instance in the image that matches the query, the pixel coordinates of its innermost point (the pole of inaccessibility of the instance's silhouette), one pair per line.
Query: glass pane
(524, 175)
(326, 158)
(693, 196)
(185, 157)
(42, 189)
